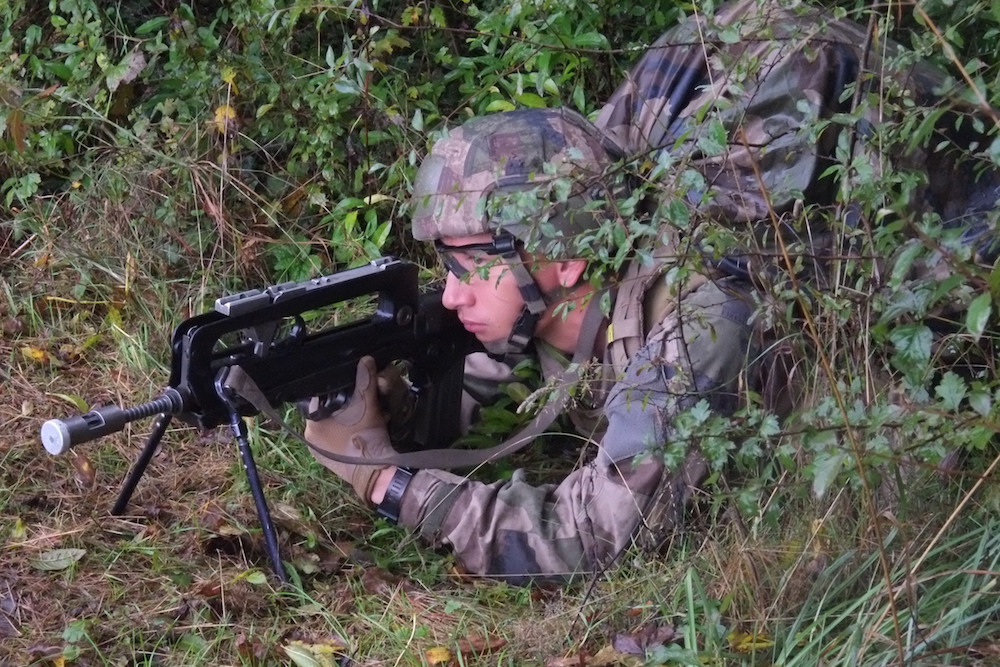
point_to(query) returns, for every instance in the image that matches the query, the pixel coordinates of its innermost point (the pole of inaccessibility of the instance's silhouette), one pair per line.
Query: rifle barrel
(59, 435)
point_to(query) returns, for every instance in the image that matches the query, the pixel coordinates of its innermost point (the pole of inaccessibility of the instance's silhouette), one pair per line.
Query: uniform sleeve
(520, 532)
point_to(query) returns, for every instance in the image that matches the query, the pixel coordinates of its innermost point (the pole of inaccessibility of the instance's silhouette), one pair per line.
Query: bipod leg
(239, 430)
(128, 486)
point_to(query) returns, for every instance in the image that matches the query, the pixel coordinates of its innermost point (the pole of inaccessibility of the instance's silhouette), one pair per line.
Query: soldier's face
(486, 298)
(483, 291)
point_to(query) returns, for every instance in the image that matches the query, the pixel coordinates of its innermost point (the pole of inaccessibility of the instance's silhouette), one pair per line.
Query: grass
(87, 308)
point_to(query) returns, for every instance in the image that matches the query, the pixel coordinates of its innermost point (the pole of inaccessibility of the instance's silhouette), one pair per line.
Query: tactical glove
(399, 404)
(356, 429)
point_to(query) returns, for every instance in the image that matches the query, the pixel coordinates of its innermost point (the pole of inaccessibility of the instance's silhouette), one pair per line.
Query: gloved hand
(398, 402)
(356, 429)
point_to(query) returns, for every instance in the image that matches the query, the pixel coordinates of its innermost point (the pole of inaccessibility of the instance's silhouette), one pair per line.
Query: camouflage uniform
(765, 72)
(519, 532)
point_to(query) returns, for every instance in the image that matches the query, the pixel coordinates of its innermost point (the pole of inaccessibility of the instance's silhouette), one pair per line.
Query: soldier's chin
(496, 348)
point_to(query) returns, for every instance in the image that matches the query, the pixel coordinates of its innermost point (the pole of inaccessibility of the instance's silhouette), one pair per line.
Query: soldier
(483, 196)
(518, 205)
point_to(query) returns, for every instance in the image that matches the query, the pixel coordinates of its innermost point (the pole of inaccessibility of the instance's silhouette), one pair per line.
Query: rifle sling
(243, 385)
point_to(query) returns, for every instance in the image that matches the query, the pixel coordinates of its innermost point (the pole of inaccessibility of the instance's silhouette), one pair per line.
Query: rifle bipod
(239, 430)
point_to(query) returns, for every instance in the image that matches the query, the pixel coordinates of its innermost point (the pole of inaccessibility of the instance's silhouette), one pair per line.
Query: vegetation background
(158, 154)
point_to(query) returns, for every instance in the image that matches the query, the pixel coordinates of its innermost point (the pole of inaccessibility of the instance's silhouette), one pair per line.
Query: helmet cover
(503, 172)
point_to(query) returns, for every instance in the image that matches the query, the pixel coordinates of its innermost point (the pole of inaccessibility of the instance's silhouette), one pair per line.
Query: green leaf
(579, 99)
(74, 400)
(978, 315)
(590, 40)
(531, 100)
(994, 151)
(75, 631)
(57, 559)
(951, 390)
(981, 402)
(499, 105)
(826, 466)
(62, 71)
(713, 138)
(913, 348)
(152, 25)
(256, 577)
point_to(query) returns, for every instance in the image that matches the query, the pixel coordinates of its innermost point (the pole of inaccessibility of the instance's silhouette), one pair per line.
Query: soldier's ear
(570, 271)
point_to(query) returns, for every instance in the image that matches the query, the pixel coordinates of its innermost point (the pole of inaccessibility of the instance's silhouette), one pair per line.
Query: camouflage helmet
(530, 173)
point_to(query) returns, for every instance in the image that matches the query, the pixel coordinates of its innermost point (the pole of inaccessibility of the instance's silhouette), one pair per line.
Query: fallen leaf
(251, 651)
(208, 589)
(437, 655)
(74, 400)
(647, 637)
(36, 354)
(480, 645)
(19, 531)
(48, 91)
(57, 559)
(606, 657)
(86, 475)
(314, 655)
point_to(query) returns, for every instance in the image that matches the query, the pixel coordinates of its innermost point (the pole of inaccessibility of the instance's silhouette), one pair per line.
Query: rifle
(264, 335)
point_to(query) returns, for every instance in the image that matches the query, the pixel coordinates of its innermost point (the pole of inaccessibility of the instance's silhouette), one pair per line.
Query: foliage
(158, 154)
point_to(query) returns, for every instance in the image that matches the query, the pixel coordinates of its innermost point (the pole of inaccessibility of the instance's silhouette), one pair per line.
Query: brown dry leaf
(606, 657)
(208, 589)
(437, 655)
(86, 475)
(48, 91)
(15, 125)
(647, 637)
(251, 651)
(377, 581)
(480, 645)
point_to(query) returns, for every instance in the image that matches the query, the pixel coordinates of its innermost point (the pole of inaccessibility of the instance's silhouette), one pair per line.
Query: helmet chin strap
(534, 301)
